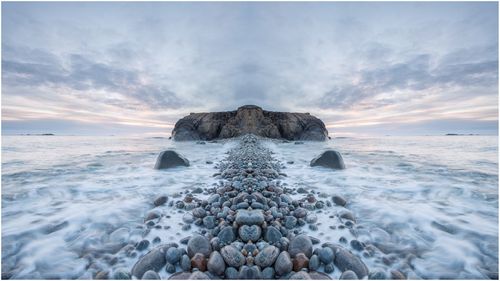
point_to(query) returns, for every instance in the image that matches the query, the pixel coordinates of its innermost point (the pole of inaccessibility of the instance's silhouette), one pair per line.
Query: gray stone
(329, 267)
(121, 274)
(267, 256)
(199, 212)
(198, 275)
(397, 275)
(272, 235)
(226, 235)
(209, 222)
(150, 275)
(249, 217)
(185, 263)
(170, 268)
(142, 245)
(160, 200)
(329, 159)
(300, 213)
(216, 263)
(169, 158)
(213, 198)
(347, 215)
(250, 233)
(314, 263)
(345, 260)
(319, 275)
(290, 222)
(232, 256)
(339, 200)
(326, 255)
(348, 275)
(357, 245)
(231, 273)
(283, 264)
(301, 275)
(173, 255)
(249, 272)
(377, 274)
(300, 244)
(188, 218)
(198, 244)
(180, 276)
(153, 260)
(268, 273)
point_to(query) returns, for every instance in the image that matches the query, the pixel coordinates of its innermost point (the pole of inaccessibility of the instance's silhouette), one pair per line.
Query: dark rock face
(329, 159)
(250, 119)
(169, 159)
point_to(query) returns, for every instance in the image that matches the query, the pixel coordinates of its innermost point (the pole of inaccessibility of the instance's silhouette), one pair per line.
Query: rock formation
(250, 119)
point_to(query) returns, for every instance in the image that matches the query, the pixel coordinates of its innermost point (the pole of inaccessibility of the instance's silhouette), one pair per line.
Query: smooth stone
(300, 244)
(209, 222)
(216, 263)
(315, 275)
(272, 235)
(301, 275)
(142, 245)
(249, 272)
(250, 233)
(326, 255)
(267, 256)
(199, 212)
(290, 222)
(231, 273)
(267, 273)
(121, 274)
(249, 217)
(356, 245)
(160, 200)
(198, 275)
(213, 198)
(339, 200)
(377, 275)
(397, 275)
(180, 276)
(347, 215)
(152, 215)
(329, 159)
(198, 244)
(199, 261)
(345, 260)
(232, 256)
(185, 263)
(169, 158)
(150, 275)
(188, 218)
(283, 264)
(300, 213)
(329, 268)
(173, 255)
(153, 260)
(226, 235)
(101, 275)
(311, 218)
(314, 263)
(170, 268)
(300, 261)
(348, 275)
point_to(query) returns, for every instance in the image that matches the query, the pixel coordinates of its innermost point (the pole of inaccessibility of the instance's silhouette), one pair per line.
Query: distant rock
(250, 119)
(168, 159)
(329, 159)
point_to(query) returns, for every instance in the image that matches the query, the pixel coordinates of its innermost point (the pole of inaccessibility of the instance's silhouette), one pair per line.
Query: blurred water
(429, 203)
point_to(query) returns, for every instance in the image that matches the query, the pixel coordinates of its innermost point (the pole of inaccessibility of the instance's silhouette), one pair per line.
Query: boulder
(329, 159)
(168, 159)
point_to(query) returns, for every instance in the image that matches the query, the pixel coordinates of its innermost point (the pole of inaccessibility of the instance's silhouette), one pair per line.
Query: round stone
(226, 235)
(231, 273)
(199, 212)
(216, 263)
(250, 233)
(173, 255)
(283, 264)
(199, 261)
(198, 244)
(185, 263)
(150, 275)
(300, 244)
(249, 272)
(290, 222)
(272, 235)
(326, 255)
(209, 222)
(268, 273)
(232, 256)
(300, 213)
(267, 256)
(329, 268)
(314, 263)
(348, 275)
(300, 261)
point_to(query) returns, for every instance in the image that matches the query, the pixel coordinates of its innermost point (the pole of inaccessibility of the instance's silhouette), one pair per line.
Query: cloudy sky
(363, 68)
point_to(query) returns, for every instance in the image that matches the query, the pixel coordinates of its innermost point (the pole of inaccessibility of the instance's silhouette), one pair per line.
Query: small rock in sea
(301, 190)
(185, 263)
(173, 255)
(198, 244)
(329, 159)
(226, 235)
(101, 275)
(300, 261)
(156, 240)
(300, 213)
(290, 162)
(185, 240)
(311, 218)
(313, 227)
(339, 200)
(198, 275)
(356, 245)
(209, 222)
(209, 162)
(200, 142)
(150, 275)
(347, 215)
(250, 233)
(397, 275)
(232, 256)
(267, 273)
(326, 255)
(142, 245)
(319, 205)
(329, 267)
(348, 275)
(152, 215)
(283, 264)
(216, 263)
(314, 263)
(300, 244)
(169, 159)
(188, 218)
(272, 235)
(231, 273)
(197, 190)
(267, 256)
(160, 200)
(343, 239)
(199, 261)
(301, 275)
(170, 268)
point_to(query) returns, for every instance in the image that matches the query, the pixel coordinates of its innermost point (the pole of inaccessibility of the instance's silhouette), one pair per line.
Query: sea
(428, 203)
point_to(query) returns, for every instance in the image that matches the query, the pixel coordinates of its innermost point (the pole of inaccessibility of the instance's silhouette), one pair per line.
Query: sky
(369, 68)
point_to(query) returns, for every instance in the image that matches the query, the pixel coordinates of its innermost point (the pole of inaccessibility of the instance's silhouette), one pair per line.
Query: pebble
(267, 273)
(216, 263)
(249, 272)
(198, 244)
(329, 268)
(356, 245)
(345, 260)
(326, 255)
(301, 275)
(339, 200)
(397, 275)
(283, 264)
(142, 245)
(300, 213)
(290, 222)
(348, 275)
(267, 256)
(249, 217)
(300, 244)
(199, 261)
(188, 218)
(199, 212)
(185, 263)
(314, 263)
(347, 215)
(160, 200)
(154, 260)
(232, 256)
(250, 233)
(300, 261)
(377, 275)
(231, 273)
(170, 268)
(209, 222)
(198, 275)
(272, 235)
(121, 274)
(226, 235)
(150, 275)
(173, 255)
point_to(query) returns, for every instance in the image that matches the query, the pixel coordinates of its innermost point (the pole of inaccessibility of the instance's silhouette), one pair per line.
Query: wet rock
(339, 200)
(150, 275)
(319, 275)
(300, 244)
(301, 275)
(185, 263)
(209, 222)
(154, 260)
(169, 158)
(300, 261)
(250, 233)
(152, 215)
(300, 213)
(249, 217)
(121, 274)
(180, 276)
(326, 255)
(347, 215)
(314, 263)
(231, 273)
(272, 235)
(216, 263)
(249, 272)
(102, 275)
(198, 275)
(160, 200)
(397, 275)
(283, 264)
(170, 268)
(267, 273)
(290, 222)
(348, 275)
(356, 245)
(226, 235)
(267, 256)
(329, 159)
(198, 244)
(329, 267)
(345, 260)
(377, 274)
(232, 256)
(173, 255)
(199, 212)
(142, 245)
(199, 261)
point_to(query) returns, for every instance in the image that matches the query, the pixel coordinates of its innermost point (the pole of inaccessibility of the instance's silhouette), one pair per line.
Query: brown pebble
(199, 261)
(300, 261)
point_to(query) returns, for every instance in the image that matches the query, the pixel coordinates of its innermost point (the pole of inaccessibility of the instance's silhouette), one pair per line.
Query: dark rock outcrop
(330, 159)
(249, 119)
(169, 159)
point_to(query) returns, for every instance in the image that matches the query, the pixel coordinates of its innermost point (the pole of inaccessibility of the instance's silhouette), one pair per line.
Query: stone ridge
(250, 119)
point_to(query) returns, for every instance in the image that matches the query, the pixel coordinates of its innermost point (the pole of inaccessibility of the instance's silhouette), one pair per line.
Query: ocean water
(429, 204)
